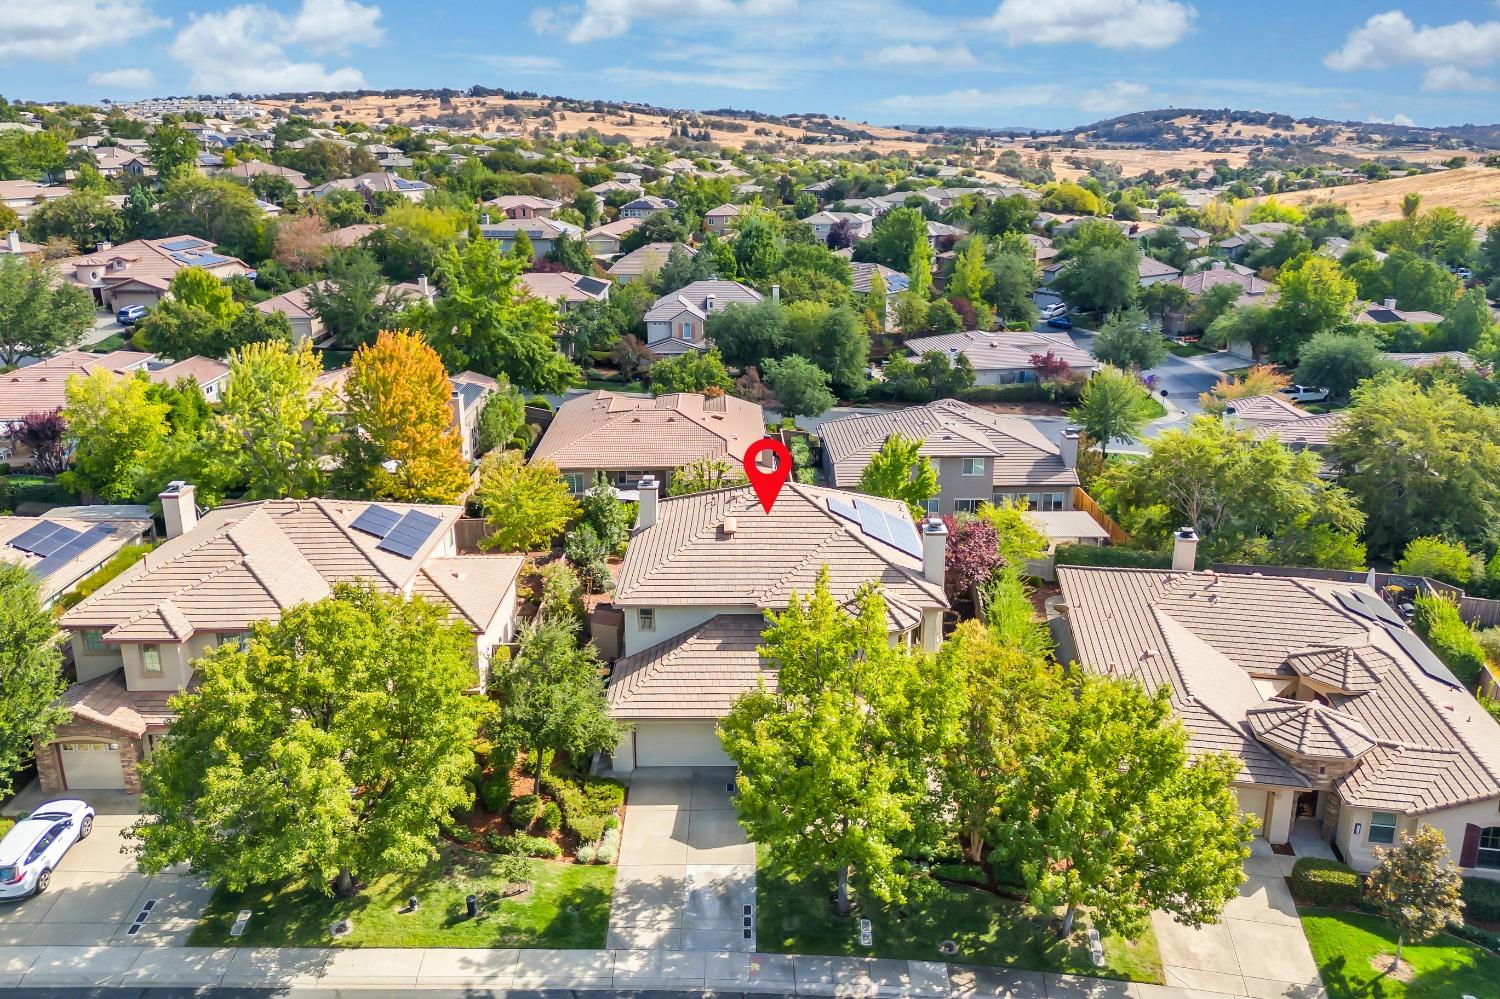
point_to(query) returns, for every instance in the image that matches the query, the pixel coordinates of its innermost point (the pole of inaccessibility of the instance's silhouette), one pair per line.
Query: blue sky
(1040, 63)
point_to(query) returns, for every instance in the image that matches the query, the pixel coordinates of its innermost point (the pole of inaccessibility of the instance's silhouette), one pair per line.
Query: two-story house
(676, 323)
(140, 272)
(134, 641)
(718, 220)
(699, 574)
(859, 224)
(541, 232)
(646, 206)
(979, 456)
(523, 206)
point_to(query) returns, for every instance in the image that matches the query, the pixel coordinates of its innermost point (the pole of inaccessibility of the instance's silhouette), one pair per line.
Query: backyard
(566, 907)
(1353, 953)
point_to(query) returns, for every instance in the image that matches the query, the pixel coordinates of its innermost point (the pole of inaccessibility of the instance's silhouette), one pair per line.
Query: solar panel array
(1423, 657)
(376, 521)
(1368, 606)
(75, 547)
(408, 536)
(183, 244)
(43, 539)
(876, 523)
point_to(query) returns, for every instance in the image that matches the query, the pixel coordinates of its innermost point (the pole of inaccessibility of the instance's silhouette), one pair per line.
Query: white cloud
(1391, 39)
(1111, 97)
(245, 48)
(1440, 78)
(924, 55)
(128, 80)
(1397, 119)
(62, 29)
(522, 63)
(600, 19)
(1117, 96)
(1110, 24)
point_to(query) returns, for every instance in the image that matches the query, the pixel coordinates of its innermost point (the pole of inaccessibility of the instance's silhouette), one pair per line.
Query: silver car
(36, 844)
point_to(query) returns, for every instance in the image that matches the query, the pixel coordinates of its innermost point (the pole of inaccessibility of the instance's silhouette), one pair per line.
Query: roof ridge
(432, 578)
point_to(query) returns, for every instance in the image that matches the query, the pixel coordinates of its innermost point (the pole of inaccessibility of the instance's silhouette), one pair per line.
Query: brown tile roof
(1306, 431)
(1307, 728)
(1022, 455)
(153, 262)
(1004, 351)
(698, 674)
(1266, 407)
(473, 586)
(603, 430)
(42, 387)
(203, 370)
(645, 259)
(1344, 668)
(105, 701)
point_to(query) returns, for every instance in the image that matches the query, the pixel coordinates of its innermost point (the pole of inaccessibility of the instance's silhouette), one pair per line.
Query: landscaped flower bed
(574, 817)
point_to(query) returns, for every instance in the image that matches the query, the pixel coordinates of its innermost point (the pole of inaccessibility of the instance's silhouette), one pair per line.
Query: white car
(1055, 310)
(36, 844)
(1304, 393)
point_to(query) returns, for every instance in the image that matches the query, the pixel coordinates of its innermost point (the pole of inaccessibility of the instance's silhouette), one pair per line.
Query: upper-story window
(151, 658)
(645, 619)
(1489, 849)
(973, 466)
(93, 640)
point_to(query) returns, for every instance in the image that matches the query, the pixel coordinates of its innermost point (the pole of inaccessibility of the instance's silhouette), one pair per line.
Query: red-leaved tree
(973, 554)
(42, 434)
(1049, 367)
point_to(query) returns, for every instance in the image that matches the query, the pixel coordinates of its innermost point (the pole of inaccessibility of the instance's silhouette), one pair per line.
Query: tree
(1449, 561)
(1416, 887)
(1410, 203)
(749, 333)
(1213, 303)
(1315, 296)
(526, 506)
(690, 371)
(401, 444)
(26, 155)
(301, 243)
(502, 418)
(833, 338)
(1163, 297)
(413, 238)
(1487, 266)
(834, 766)
(118, 430)
(173, 151)
(972, 556)
(899, 471)
(83, 218)
(800, 386)
(1114, 406)
(1100, 278)
(608, 516)
(1128, 340)
(1017, 537)
(702, 474)
(1015, 279)
(487, 322)
(273, 425)
(1467, 323)
(1166, 244)
(353, 300)
(682, 268)
(919, 267)
(331, 748)
(31, 675)
(1339, 361)
(1252, 325)
(44, 435)
(220, 211)
(894, 237)
(1258, 379)
(551, 695)
(40, 315)
(758, 244)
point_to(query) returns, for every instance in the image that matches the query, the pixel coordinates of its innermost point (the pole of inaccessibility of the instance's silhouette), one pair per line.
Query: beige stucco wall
(1451, 822)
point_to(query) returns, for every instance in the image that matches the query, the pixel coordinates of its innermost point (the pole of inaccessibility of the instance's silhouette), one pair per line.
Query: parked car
(1304, 393)
(35, 846)
(1054, 310)
(131, 314)
(1060, 323)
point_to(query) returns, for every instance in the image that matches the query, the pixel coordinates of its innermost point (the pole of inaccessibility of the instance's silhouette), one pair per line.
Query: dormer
(1336, 669)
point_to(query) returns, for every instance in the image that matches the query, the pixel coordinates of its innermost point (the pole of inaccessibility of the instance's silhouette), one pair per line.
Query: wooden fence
(1083, 501)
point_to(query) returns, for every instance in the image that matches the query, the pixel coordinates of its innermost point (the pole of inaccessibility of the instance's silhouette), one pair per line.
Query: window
(1489, 849)
(973, 466)
(1049, 501)
(966, 505)
(645, 619)
(577, 482)
(151, 658)
(931, 507)
(93, 640)
(687, 331)
(1382, 828)
(236, 638)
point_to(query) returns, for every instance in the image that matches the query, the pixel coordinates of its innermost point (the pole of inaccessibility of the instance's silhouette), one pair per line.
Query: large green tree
(83, 218)
(1100, 278)
(1315, 296)
(801, 386)
(899, 471)
(220, 211)
(330, 749)
(353, 300)
(690, 371)
(273, 425)
(1339, 361)
(31, 676)
(1114, 406)
(527, 506)
(1129, 340)
(120, 432)
(833, 338)
(39, 314)
(173, 151)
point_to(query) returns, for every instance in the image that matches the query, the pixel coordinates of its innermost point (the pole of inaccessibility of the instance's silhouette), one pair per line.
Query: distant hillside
(1199, 128)
(1473, 192)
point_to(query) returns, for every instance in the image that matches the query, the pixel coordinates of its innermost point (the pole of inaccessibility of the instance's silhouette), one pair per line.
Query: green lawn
(797, 918)
(1160, 410)
(568, 907)
(115, 341)
(613, 385)
(1444, 967)
(1188, 349)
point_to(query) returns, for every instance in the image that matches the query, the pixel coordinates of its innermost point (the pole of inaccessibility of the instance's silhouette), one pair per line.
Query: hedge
(587, 805)
(495, 793)
(1118, 558)
(1482, 899)
(524, 810)
(1451, 640)
(520, 845)
(1325, 882)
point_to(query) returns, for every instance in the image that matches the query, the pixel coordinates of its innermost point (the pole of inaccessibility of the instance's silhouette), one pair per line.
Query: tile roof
(536, 228)
(62, 579)
(1004, 351)
(42, 387)
(1307, 728)
(1022, 455)
(105, 701)
(1429, 359)
(617, 228)
(645, 259)
(697, 674)
(606, 431)
(864, 275)
(695, 299)
(1196, 283)
(570, 287)
(1151, 267)
(1266, 407)
(203, 370)
(473, 586)
(1314, 431)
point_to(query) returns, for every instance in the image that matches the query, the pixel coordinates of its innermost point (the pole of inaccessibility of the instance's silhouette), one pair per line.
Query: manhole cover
(948, 948)
(342, 928)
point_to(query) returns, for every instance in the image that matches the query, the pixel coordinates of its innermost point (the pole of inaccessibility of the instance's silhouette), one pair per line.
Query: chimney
(708, 303)
(776, 293)
(1184, 549)
(1390, 303)
(484, 219)
(1070, 447)
(422, 285)
(105, 245)
(13, 241)
(934, 551)
(649, 491)
(1218, 265)
(178, 508)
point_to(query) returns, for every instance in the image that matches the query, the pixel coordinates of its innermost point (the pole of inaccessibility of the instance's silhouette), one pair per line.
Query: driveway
(1256, 949)
(97, 894)
(686, 878)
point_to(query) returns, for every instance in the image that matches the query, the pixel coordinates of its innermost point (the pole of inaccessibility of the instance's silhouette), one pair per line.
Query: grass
(1159, 409)
(1343, 944)
(567, 907)
(1187, 350)
(613, 385)
(796, 917)
(115, 341)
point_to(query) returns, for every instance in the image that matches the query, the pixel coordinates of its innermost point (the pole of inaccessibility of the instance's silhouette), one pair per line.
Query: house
(1387, 312)
(627, 438)
(979, 456)
(720, 219)
(1041, 248)
(1309, 432)
(1253, 290)
(22, 196)
(942, 236)
(643, 262)
(250, 169)
(859, 224)
(471, 391)
(1002, 357)
(1063, 527)
(1342, 722)
(542, 232)
(567, 289)
(895, 284)
(140, 272)
(1196, 239)
(1261, 410)
(604, 240)
(294, 304)
(1430, 359)
(210, 374)
(609, 187)
(676, 323)
(120, 162)
(1153, 271)
(699, 574)
(59, 552)
(135, 639)
(14, 245)
(524, 206)
(646, 206)
(367, 185)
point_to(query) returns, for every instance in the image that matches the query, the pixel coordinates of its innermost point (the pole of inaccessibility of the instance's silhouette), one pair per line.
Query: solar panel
(183, 244)
(54, 541)
(1367, 606)
(27, 539)
(1423, 657)
(74, 548)
(904, 535)
(407, 537)
(843, 508)
(872, 521)
(376, 521)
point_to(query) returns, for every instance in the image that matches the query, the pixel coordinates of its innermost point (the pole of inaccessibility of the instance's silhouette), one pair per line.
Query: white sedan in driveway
(36, 844)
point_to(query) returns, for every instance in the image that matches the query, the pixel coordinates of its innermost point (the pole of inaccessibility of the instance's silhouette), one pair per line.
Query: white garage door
(679, 744)
(92, 765)
(1253, 801)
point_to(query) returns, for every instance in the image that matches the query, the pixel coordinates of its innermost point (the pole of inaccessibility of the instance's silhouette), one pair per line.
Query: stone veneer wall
(49, 767)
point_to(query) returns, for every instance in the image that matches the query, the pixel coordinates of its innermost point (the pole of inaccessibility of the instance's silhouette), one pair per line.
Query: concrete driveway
(686, 878)
(97, 894)
(1256, 949)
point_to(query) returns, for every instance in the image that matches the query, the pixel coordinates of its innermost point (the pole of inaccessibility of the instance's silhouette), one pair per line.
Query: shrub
(1451, 640)
(465, 809)
(495, 793)
(609, 845)
(501, 759)
(524, 810)
(1482, 900)
(1325, 882)
(461, 834)
(1124, 558)
(521, 845)
(1449, 561)
(587, 853)
(587, 805)
(550, 819)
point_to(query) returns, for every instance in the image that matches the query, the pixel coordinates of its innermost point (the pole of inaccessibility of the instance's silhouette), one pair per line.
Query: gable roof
(864, 277)
(694, 299)
(1266, 407)
(606, 431)
(570, 287)
(646, 259)
(1002, 350)
(697, 674)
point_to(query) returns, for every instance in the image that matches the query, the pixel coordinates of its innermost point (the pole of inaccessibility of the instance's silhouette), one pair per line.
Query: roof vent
(731, 525)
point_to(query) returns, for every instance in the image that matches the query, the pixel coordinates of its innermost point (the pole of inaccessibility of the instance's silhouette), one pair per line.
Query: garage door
(92, 765)
(679, 744)
(1253, 801)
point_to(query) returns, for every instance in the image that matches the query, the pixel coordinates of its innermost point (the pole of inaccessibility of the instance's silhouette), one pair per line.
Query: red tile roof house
(699, 574)
(135, 640)
(139, 272)
(1344, 724)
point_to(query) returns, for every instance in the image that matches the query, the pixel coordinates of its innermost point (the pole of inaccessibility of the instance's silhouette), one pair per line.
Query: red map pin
(768, 482)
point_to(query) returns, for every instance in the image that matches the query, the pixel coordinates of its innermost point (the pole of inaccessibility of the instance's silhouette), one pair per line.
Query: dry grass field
(1474, 192)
